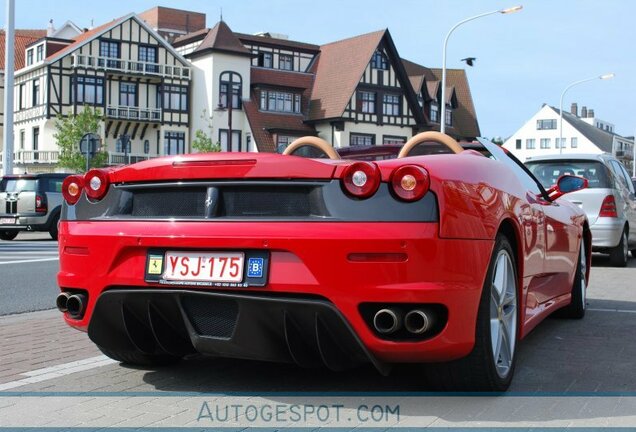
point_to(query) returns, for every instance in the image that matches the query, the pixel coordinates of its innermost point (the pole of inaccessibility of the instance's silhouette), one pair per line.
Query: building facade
(122, 68)
(582, 133)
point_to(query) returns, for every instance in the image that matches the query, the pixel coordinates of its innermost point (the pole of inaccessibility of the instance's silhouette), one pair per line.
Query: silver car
(30, 202)
(609, 200)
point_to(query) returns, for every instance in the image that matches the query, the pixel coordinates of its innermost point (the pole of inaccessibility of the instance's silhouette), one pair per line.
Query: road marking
(44, 374)
(29, 261)
(612, 310)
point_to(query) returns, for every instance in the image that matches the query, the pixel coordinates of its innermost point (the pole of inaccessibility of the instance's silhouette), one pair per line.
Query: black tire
(576, 308)
(619, 254)
(8, 235)
(53, 228)
(136, 358)
(477, 371)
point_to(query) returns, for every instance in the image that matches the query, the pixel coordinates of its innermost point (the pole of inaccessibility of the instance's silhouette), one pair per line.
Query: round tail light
(96, 184)
(410, 182)
(361, 179)
(72, 188)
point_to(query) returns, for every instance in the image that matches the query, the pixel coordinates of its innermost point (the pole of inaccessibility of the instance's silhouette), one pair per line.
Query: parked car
(608, 201)
(30, 202)
(444, 258)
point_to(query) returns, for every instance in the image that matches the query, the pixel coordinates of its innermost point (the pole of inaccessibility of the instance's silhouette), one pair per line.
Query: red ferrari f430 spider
(438, 254)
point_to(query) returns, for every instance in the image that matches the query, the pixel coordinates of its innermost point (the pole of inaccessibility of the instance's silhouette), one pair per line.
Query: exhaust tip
(386, 321)
(75, 305)
(417, 321)
(61, 301)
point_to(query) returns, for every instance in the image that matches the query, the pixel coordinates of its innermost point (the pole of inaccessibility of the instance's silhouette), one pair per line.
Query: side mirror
(566, 184)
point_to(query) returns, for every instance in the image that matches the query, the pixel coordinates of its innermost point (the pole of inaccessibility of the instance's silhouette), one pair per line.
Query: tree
(202, 143)
(70, 130)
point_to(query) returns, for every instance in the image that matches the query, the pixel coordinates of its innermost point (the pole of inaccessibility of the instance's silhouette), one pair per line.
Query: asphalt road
(28, 269)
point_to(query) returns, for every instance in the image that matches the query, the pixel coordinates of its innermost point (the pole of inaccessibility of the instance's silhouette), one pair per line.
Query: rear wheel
(136, 358)
(8, 235)
(619, 254)
(576, 308)
(53, 229)
(490, 366)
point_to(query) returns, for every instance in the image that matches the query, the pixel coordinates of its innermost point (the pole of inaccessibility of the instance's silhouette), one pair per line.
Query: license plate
(7, 221)
(204, 266)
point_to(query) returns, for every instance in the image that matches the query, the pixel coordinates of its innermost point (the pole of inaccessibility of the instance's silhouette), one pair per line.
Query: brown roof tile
(464, 116)
(22, 39)
(278, 78)
(221, 38)
(338, 70)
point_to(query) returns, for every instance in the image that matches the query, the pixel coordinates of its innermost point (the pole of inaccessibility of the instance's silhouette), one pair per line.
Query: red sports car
(448, 259)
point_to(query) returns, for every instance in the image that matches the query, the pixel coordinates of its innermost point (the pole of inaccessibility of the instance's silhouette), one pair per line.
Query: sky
(524, 59)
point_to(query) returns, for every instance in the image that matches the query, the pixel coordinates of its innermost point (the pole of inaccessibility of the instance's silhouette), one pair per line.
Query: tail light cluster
(408, 182)
(95, 183)
(40, 204)
(608, 208)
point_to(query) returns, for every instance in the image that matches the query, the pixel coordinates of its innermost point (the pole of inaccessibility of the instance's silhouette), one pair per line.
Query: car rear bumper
(606, 232)
(311, 279)
(33, 222)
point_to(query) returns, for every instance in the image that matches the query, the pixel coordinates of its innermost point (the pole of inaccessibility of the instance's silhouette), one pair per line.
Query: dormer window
(278, 101)
(434, 112)
(285, 62)
(39, 53)
(29, 57)
(379, 61)
(449, 117)
(265, 59)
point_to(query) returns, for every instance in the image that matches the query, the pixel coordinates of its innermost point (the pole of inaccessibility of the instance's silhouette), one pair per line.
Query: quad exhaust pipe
(74, 304)
(389, 320)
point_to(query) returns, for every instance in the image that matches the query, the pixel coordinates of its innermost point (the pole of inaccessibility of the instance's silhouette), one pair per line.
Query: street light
(443, 101)
(601, 77)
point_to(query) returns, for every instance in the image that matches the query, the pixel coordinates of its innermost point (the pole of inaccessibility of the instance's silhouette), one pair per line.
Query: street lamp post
(601, 77)
(443, 101)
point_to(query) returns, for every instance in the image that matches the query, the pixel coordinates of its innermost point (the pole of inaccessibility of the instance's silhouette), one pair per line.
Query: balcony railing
(133, 113)
(131, 66)
(115, 158)
(22, 157)
(30, 113)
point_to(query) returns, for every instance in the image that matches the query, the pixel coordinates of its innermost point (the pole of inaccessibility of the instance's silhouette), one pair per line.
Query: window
(391, 104)
(265, 59)
(561, 142)
(30, 57)
(434, 112)
(366, 102)
(175, 98)
(109, 49)
(282, 141)
(22, 139)
(39, 56)
(449, 117)
(278, 101)
(173, 143)
(545, 143)
(36, 93)
(148, 54)
(518, 144)
(546, 124)
(36, 142)
(21, 96)
(574, 142)
(146, 146)
(387, 139)
(379, 61)
(90, 90)
(361, 139)
(285, 62)
(234, 144)
(127, 94)
(230, 80)
(530, 144)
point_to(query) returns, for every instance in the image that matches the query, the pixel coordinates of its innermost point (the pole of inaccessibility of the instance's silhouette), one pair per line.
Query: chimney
(50, 29)
(574, 109)
(590, 113)
(584, 112)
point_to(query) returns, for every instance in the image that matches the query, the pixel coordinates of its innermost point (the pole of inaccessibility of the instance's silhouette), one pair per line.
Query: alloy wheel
(503, 314)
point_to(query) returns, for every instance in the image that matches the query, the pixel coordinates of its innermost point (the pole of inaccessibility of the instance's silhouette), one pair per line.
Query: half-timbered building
(123, 68)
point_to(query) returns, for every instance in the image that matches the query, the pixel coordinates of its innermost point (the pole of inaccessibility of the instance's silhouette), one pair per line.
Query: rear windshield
(18, 185)
(549, 171)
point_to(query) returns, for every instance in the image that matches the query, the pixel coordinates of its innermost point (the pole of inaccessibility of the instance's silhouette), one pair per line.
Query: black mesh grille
(169, 202)
(264, 202)
(211, 317)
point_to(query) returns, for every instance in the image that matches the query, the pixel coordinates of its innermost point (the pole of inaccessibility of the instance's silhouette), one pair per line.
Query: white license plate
(204, 266)
(7, 221)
